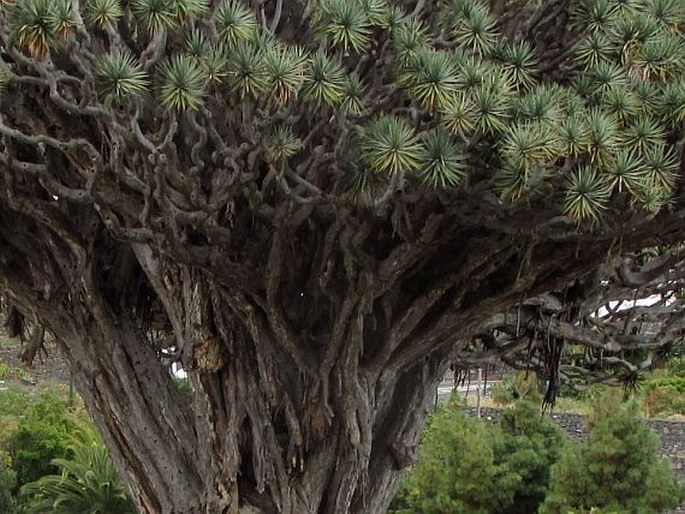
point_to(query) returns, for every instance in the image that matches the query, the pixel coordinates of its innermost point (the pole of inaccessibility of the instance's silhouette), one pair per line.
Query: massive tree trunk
(311, 376)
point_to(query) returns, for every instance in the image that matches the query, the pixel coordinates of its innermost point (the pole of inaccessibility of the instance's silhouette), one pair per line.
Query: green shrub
(664, 401)
(13, 402)
(8, 482)
(528, 445)
(41, 436)
(470, 466)
(676, 366)
(616, 468)
(502, 393)
(5, 370)
(86, 482)
(183, 386)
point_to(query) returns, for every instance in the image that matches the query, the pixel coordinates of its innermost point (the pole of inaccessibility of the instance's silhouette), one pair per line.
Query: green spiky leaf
(521, 62)
(626, 171)
(235, 22)
(182, 83)
(587, 194)
(119, 74)
(442, 163)
(155, 15)
(353, 94)
(282, 144)
(247, 74)
(285, 68)
(344, 23)
(190, 9)
(390, 145)
(432, 78)
(32, 21)
(103, 12)
(324, 81)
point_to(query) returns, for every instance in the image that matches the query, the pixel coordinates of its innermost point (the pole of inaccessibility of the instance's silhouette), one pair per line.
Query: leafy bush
(676, 367)
(183, 385)
(528, 445)
(41, 436)
(8, 482)
(616, 469)
(85, 482)
(13, 402)
(5, 370)
(664, 401)
(502, 393)
(469, 466)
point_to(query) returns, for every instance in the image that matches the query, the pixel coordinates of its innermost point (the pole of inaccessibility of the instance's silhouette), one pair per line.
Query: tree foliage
(41, 436)
(313, 206)
(85, 482)
(467, 465)
(617, 468)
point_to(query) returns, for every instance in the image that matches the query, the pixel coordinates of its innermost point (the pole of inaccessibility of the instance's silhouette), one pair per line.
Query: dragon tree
(316, 206)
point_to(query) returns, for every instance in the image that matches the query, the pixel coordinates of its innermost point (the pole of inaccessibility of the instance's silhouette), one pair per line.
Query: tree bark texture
(312, 368)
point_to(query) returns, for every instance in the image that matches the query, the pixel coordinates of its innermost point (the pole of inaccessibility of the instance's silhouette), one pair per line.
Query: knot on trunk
(403, 455)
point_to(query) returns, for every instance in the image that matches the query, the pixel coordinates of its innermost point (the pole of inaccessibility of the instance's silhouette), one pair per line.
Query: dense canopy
(315, 206)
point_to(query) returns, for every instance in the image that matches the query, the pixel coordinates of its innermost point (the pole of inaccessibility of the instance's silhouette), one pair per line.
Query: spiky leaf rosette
(442, 163)
(155, 15)
(439, 91)
(345, 23)
(390, 145)
(119, 74)
(182, 83)
(32, 21)
(587, 194)
(324, 81)
(234, 22)
(103, 12)
(282, 144)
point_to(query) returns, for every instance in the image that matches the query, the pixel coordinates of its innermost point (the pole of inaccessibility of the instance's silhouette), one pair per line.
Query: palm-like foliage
(459, 114)
(119, 74)
(521, 62)
(102, 12)
(596, 48)
(574, 135)
(587, 194)
(626, 172)
(603, 135)
(285, 68)
(346, 23)
(662, 166)
(643, 133)
(182, 83)
(324, 81)
(432, 78)
(612, 115)
(390, 145)
(282, 144)
(528, 146)
(442, 163)
(247, 74)
(63, 21)
(234, 22)
(352, 100)
(409, 38)
(33, 26)
(87, 484)
(189, 9)
(155, 15)
(470, 24)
